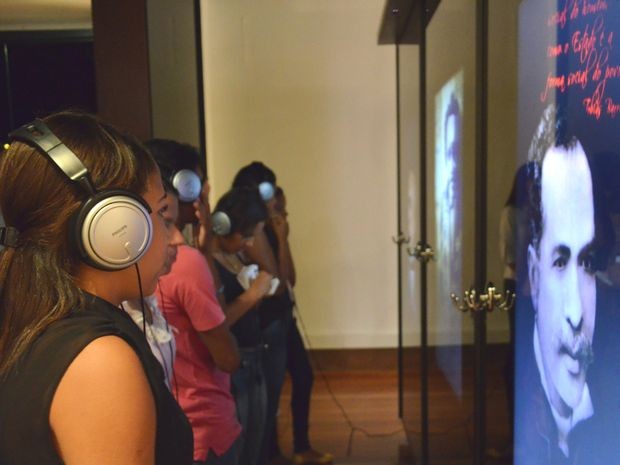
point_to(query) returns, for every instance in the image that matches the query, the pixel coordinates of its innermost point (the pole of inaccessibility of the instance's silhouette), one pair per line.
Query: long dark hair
(518, 196)
(244, 207)
(253, 174)
(38, 275)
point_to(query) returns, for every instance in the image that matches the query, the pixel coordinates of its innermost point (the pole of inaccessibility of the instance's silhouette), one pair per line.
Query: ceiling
(45, 14)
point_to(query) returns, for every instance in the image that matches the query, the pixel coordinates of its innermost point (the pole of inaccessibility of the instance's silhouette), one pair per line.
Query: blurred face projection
(452, 152)
(562, 278)
(448, 226)
(448, 183)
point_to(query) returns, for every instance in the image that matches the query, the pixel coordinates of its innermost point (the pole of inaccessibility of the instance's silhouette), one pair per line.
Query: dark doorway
(45, 71)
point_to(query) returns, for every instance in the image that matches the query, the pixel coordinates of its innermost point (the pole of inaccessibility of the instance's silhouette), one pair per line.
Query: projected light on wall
(448, 220)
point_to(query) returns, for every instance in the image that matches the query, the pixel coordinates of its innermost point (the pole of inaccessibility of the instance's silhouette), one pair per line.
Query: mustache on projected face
(578, 347)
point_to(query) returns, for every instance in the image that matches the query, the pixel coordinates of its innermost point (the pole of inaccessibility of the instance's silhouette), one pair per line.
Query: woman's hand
(202, 233)
(261, 285)
(280, 227)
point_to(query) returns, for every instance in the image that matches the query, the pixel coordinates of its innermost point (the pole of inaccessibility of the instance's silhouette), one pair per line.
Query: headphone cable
(143, 309)
(141, 300)
(352, 426)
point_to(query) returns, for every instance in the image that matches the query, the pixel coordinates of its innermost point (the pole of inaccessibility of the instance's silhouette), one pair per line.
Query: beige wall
(502, 139)
(303, 87)
(172, 70)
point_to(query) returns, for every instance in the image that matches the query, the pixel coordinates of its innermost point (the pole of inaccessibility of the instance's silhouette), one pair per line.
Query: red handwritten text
(579, 77)
(558, 17)
(612, 72)
(612, 108)
(553, 82)
(588, 54)
(591, 7)
(584, 42)
(554, 51)
(593, 104)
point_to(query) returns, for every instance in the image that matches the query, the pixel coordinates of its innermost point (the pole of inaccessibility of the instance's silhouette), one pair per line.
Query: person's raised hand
(261, 285)
(202, 231)
(280, 226)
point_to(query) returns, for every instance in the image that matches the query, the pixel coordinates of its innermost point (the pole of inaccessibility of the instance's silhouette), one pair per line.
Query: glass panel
(567, 365)
(501, 263)
(409, 95)
(450, 117)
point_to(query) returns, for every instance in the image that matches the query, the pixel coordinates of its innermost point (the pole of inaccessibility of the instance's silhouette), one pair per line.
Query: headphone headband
(37, 134)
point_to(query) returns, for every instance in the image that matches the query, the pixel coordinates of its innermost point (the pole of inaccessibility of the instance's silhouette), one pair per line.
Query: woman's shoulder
(103, 396)
(29, 387)
(64, 339)
(103, 358)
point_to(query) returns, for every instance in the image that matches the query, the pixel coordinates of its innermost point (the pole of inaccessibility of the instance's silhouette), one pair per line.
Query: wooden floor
(369, 399)
(369, 431)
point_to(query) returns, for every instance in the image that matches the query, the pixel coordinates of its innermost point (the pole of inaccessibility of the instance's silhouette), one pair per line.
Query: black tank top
(247, 329)
(27, 391)
(277, 306)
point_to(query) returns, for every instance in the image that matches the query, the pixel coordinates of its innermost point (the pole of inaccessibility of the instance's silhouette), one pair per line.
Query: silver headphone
(267, 191)
(187, 183)
(112, 229)
(220, 223)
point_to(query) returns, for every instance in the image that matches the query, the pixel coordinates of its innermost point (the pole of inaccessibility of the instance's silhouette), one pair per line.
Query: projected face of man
(562, 278)
(451, 154)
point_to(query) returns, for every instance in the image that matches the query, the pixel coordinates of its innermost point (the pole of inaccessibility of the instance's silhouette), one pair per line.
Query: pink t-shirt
(187, 297)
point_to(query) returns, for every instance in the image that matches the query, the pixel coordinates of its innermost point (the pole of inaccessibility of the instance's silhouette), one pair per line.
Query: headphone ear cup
(188, 185)
(221, 223)
(113, 230)
(267, 191)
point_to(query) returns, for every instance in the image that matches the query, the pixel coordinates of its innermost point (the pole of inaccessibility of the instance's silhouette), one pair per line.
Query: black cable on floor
(353, 428)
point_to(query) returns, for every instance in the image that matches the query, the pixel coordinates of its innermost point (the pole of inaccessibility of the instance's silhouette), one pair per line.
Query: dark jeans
(275, 337)
(250, 392)
(302, 379)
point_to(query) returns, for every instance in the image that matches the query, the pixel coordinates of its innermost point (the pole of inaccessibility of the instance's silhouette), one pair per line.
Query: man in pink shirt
(206, 350)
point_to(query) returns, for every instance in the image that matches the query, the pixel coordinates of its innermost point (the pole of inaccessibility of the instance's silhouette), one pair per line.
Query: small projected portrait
(448, 185)
(448, 226)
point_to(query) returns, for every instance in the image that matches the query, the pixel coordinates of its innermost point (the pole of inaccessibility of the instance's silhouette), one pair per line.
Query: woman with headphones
(83, 206)
(285, 347)
(239, 217)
